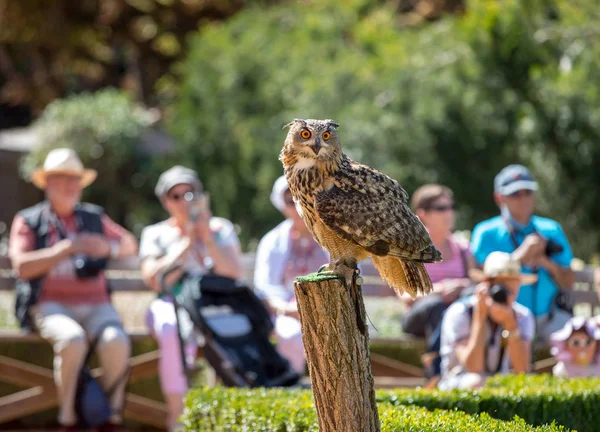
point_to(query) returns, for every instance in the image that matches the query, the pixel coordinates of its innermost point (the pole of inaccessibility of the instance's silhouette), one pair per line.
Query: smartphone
(198, 203)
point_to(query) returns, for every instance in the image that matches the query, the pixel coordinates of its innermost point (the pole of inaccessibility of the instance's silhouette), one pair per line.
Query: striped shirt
(453, 268)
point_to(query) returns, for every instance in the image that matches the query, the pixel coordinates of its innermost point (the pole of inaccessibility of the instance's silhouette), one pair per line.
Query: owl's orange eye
(326, 135)
(305, 134)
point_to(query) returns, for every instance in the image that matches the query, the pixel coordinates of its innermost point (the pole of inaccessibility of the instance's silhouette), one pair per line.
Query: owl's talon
(323, 268)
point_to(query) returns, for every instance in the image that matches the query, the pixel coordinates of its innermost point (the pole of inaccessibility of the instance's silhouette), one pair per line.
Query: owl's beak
(316, 147)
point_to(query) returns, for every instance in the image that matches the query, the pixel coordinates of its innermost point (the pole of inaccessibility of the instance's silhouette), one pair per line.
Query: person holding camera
(538, 243)
(59, 249)
(200, 244)
(488, 332)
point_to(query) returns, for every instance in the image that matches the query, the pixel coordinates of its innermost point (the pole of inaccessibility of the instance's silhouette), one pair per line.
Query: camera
(499, 294)
(87, 268)
(553, 247)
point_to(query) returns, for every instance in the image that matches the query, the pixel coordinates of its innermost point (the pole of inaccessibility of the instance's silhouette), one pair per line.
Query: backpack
(92, 403)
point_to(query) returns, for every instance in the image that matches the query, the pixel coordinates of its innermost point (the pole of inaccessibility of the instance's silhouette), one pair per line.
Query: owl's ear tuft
(292, 122)
(332, 123)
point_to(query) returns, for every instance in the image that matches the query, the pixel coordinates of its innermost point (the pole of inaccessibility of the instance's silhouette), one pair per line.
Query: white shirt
(158, 239)
(456, 327)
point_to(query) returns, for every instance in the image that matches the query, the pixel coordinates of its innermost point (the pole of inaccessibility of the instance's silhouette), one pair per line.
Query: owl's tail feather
(403, 276)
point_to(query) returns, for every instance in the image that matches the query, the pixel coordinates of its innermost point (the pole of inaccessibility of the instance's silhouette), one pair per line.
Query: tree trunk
(337, 353)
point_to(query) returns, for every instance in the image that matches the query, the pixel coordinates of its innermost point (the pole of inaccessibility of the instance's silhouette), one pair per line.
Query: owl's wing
(369, 208)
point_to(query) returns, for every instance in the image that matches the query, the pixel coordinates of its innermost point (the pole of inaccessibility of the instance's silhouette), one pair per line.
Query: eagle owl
(353, 210)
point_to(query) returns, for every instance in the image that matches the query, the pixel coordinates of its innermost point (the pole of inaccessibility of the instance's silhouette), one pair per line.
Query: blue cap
(514, 178)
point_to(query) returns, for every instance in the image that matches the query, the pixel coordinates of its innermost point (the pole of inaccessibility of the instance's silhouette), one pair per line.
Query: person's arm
(127, 243)
(471, 353)
(559, 264)
(520, 333)
(152, 268)
(564, 276)
(227, 260)
(28, 262)
(518, 349)
(226, 254)
(155, 260)
(36, 263)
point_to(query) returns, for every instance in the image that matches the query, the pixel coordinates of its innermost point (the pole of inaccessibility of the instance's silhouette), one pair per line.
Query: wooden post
(337, 353)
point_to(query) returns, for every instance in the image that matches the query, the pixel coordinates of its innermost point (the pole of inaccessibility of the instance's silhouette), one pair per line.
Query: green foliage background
(452, 101)
(449, 101)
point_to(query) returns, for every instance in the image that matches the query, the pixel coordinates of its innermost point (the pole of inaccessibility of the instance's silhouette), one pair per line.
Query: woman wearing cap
(209, 244)
(67, 304)
(285, 252)
(489, 332)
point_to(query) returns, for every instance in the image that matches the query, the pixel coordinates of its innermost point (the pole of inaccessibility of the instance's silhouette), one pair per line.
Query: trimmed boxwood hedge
(538, 399)
(224, 409)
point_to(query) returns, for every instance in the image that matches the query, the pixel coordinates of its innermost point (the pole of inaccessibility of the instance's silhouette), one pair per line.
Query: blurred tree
(452, 101)
(112, 135)
(52, 48)
(49, 49)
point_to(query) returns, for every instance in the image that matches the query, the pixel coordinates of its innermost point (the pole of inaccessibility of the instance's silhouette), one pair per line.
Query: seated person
(489, 332)
(54, 297)
(539, 244)
(208, 245)
(576, 348)
(434, 205)
(285, 252)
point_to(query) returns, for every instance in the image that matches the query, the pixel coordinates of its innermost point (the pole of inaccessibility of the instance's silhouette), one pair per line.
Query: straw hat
(501, 264)
(63, 161)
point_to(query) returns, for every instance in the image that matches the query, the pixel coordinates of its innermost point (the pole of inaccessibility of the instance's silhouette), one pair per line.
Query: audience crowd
(494, 299)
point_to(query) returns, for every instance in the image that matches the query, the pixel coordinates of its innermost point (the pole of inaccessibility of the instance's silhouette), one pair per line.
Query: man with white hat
(489, 332)
(59, 248)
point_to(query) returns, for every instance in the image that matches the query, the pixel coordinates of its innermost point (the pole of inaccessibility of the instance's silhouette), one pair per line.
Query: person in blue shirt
(538, 243)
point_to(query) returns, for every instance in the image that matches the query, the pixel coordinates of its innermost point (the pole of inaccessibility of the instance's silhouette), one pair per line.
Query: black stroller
(236, 327)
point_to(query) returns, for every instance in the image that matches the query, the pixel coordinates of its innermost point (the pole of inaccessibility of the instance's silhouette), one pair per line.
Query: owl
(355, 211)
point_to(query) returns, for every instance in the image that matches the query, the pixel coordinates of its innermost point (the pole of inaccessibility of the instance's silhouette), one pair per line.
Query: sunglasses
(177, 196)
(440, 208)
(580, 343)
(521, 193)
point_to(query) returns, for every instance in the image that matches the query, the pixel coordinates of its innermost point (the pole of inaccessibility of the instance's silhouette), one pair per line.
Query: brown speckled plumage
(355, 211)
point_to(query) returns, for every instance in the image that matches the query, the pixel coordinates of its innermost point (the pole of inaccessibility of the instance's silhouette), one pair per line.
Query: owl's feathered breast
(361, 205)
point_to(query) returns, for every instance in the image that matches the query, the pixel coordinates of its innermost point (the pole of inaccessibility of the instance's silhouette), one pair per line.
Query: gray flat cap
(174, 176)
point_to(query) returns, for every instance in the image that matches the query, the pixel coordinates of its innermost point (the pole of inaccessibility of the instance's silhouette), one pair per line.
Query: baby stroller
(236, 327)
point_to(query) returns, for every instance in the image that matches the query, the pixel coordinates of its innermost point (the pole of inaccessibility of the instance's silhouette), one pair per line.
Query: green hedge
(222, 409)
(538, 399)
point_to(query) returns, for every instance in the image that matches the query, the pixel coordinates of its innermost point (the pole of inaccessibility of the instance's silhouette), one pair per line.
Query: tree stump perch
(337, 354)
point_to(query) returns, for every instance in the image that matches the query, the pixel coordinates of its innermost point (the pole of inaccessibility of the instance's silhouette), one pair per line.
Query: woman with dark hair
(434, 205)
